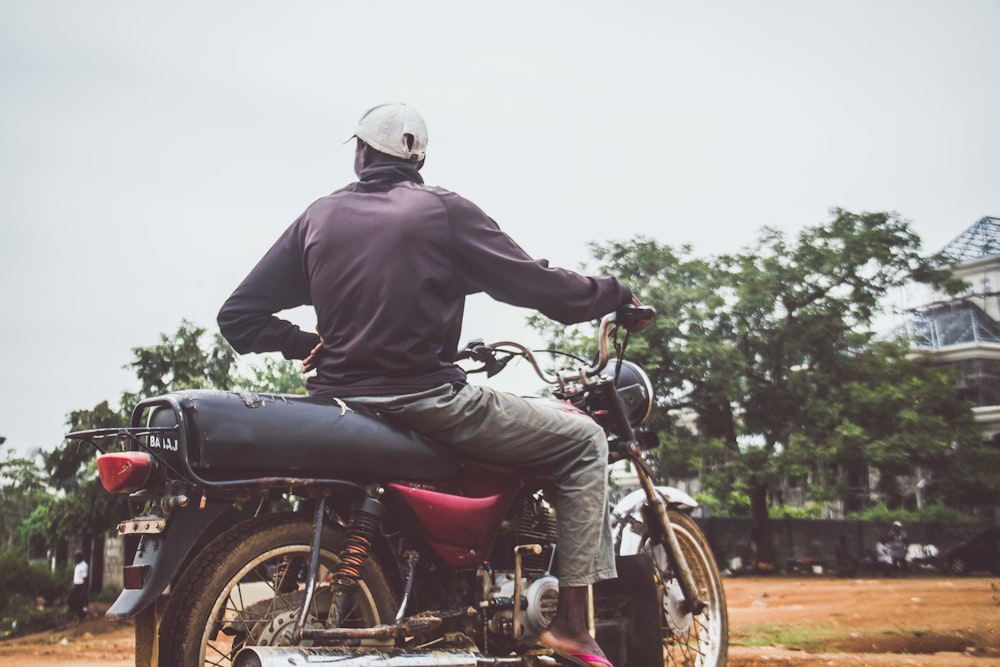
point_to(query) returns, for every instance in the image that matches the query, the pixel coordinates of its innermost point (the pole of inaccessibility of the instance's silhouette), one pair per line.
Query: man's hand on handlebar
(634, 316)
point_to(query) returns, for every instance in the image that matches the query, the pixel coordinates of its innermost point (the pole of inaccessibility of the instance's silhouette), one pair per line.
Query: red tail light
(124, 472)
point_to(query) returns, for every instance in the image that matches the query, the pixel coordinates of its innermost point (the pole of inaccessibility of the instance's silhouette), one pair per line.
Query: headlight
(634, 388)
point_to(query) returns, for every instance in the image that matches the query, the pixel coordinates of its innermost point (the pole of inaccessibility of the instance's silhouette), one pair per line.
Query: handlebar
(631, 318)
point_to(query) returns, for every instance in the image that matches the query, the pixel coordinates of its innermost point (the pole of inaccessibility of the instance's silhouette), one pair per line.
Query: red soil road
(917, 620)
(920, 620)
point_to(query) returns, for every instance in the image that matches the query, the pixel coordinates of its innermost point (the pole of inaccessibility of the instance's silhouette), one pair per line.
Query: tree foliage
(771, 351)
(274, 375)
(182, 361)
(22, 488)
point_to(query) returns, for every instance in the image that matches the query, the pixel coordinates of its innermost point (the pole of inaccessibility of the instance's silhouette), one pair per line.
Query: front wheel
(690, 640)
(246, 587)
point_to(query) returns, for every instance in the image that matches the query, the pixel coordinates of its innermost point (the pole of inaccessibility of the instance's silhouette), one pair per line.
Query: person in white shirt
(78, 596)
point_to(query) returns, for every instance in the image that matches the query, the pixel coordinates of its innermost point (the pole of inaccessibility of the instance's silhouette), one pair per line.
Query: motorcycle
(280, 530)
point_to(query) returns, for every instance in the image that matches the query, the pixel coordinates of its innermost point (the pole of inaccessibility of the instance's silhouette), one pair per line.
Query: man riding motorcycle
(387, 262)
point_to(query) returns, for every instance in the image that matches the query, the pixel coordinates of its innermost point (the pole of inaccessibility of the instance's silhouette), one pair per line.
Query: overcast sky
(151, 152)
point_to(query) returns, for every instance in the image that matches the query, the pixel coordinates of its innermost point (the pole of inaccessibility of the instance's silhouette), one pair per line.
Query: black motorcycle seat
(232, 435)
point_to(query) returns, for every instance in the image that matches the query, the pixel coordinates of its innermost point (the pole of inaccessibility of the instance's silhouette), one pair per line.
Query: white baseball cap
(394, 129)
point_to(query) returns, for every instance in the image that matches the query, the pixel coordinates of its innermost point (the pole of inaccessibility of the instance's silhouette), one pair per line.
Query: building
(964, 330)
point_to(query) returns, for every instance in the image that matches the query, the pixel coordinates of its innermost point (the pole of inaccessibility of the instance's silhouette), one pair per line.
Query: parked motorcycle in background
(276, 530)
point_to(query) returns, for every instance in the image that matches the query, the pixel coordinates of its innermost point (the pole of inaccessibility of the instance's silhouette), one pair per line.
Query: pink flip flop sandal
(582, 659)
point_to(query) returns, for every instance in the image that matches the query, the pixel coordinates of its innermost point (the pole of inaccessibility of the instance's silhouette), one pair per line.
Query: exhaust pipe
(295, 656)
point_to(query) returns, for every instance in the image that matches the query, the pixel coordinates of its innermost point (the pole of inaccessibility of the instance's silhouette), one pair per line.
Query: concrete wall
(114, 560)
(799, 538)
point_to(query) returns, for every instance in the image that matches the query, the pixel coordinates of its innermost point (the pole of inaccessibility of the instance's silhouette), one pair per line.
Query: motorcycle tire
(700, 640)
(245, 587)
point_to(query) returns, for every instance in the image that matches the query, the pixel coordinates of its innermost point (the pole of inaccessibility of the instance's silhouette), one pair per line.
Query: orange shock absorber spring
(360, 531)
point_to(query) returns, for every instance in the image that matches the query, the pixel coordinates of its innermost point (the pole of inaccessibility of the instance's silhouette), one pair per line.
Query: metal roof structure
(945, 324)
(977, 242)
(960, 321)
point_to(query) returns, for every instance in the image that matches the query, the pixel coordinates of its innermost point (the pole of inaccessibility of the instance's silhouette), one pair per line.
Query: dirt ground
(774, 621)
(915, 620)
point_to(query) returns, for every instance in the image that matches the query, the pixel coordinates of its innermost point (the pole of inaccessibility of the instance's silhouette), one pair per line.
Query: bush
(25, 617)
(21, 584)
(732, 505)
(42, 582)
(812, 511)
(883, 514)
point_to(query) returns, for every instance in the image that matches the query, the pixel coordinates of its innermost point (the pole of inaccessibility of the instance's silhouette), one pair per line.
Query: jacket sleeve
(278, 282)
(488, 260)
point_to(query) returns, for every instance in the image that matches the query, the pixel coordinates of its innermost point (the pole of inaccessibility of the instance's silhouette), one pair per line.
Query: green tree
(748, 342)
(801, 311)
(22, 487)
(182, 361)
(882, 407)
(972, 475)
(274, 375)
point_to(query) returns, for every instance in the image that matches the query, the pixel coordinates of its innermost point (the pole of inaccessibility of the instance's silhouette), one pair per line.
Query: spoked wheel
(245, 589)
(691, 640)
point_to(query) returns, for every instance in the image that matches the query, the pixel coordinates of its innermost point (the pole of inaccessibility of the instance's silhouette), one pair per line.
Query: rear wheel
(691, 640)
(246, 587)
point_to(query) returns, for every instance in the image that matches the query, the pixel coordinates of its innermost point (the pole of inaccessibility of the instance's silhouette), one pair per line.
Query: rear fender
(161, 556)
(627, 515)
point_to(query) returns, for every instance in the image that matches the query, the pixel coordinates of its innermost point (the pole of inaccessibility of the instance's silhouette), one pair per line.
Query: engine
(534, 523)
(531, 534)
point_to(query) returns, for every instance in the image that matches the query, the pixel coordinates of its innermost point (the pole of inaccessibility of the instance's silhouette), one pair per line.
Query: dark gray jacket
(387, 262)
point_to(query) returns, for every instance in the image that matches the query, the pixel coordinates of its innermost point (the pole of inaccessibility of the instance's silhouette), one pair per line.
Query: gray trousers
(534, 435)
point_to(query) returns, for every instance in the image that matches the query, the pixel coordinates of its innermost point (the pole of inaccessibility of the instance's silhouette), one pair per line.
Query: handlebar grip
(634, 318)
